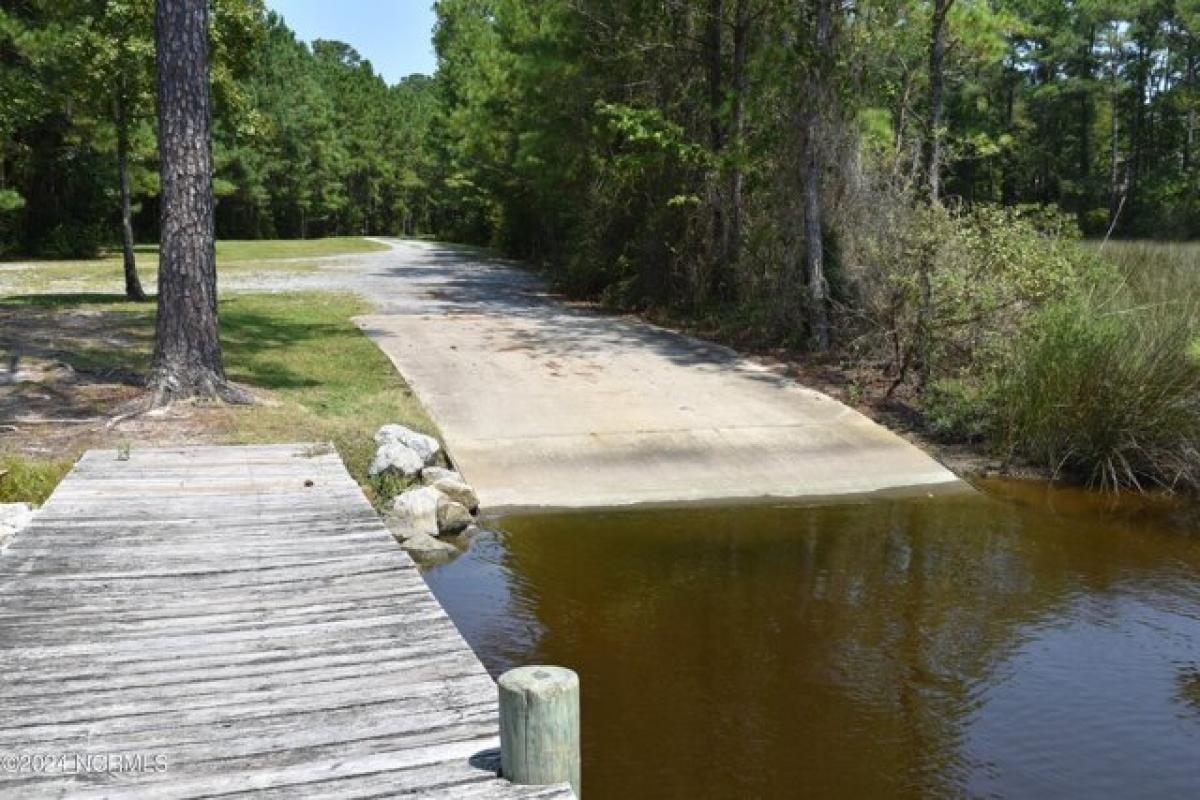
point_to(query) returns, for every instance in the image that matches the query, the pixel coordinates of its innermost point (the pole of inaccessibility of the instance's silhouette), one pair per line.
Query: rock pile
(444, 505)
(402, 451)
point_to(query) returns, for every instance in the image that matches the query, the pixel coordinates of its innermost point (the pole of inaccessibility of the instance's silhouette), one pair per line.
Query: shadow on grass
(269, 341)
(56, 301)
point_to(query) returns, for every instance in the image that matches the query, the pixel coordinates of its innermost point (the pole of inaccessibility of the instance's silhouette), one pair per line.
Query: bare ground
(50, 410)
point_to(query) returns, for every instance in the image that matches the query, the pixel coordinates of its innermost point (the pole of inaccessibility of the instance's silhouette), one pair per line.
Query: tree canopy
(308, 141)
(688, 151)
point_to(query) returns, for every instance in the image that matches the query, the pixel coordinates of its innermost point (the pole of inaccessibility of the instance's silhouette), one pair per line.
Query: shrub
(956, 409)
(1107, 392)
(72, 241)
(988, 270)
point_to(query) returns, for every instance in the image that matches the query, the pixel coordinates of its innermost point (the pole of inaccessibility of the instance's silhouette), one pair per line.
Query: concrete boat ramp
(232, 622)
(546, 405)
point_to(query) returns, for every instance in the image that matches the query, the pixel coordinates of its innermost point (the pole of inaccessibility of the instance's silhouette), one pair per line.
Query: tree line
(710, 155)
(717, 152)
(308, 141)
(899, 186)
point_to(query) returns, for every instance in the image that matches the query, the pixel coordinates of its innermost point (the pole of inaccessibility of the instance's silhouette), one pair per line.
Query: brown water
(1030, 644)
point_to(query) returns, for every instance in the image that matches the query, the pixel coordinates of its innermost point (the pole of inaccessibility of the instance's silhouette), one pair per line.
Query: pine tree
(187, 353)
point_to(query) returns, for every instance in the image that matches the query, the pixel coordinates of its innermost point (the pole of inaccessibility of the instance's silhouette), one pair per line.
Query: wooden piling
(539, 726)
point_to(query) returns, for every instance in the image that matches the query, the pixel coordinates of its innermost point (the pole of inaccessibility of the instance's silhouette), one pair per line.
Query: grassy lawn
(237, 251)
(234, 258)
(325, 380)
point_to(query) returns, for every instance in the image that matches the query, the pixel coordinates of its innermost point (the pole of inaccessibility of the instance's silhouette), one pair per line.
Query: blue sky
(394, 35)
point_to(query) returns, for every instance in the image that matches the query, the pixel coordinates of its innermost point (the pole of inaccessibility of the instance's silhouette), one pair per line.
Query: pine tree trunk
(1085, 118)
(937, 86)
(933, 174)
(1189, 139)
(187, 354)
(714, 56)
(814, 245)
(1137, 128)
(737, 178)
(133, 286)
(814, 249)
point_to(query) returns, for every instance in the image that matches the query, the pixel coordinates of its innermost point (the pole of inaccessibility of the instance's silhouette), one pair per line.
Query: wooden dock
(232, 621)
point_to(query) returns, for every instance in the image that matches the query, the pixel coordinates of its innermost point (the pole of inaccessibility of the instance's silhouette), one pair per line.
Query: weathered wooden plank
(90, 691)
(315, 725)
(214, 604)
(399, 625)
(136, 632)
(200, 585)
(242, 755)
(266, 637)
(131, 669)
(135, 710)
(297, 776)
(175, 603)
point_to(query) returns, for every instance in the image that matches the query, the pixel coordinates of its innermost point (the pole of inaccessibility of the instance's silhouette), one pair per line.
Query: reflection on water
(1027, 646)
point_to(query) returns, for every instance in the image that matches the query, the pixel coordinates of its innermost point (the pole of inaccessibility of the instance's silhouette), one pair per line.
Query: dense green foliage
(1106, 392)
(1093, 387)
(308, 141)
(661, 153)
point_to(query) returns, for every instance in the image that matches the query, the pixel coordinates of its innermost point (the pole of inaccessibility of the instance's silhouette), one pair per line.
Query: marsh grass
(1101, 385)
(1156, 272)
(1105, 386)
(1108, 393)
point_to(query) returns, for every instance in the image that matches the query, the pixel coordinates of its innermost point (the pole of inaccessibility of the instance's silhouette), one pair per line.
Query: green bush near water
(1109, 395)
(1072, 356)
(1102, 384)
(1086, 364)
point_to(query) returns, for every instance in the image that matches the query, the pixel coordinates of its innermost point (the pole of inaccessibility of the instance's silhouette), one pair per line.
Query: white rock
(424, 446)
(14, 517)
(458, 491)
(452, 518)
(431, 475)
(425, 546)
(417, 511)
(396, 457)
(399, 530)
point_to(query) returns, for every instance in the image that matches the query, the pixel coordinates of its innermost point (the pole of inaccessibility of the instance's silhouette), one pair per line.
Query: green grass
(1102, 385)
(295, 248)
(332, 383)
(1107, 392)
(327, 380)
(1157, 271)
(233, 258)
(26, 480)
